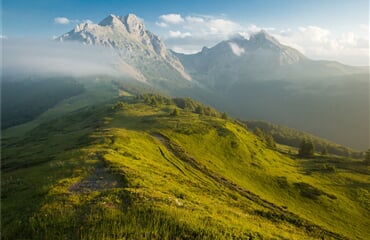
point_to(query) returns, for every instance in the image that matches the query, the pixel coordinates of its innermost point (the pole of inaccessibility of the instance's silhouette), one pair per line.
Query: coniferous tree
(258, 132)
(324, 151)
(310, 148)
(348, 153)
(224, 116)
(175, 112)
(302, 145)
(367, 156)
(270, 141)
(306, 148)
(199, 110)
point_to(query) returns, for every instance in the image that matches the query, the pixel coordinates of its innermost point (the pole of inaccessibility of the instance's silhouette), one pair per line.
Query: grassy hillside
(151, 167)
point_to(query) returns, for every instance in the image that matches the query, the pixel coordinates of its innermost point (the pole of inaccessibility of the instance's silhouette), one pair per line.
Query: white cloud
(204, 29)
(237, 50)
(197, 31)
(62, 20)
(253, 28)
(192, 19)
(189, 34)
(3, 37)
(348, 39)
(320, 43)
(222, 26)
(161, 24)
(208, 26)
(315, 40)
(198, 25)
(178, 34)
(87, 21)
(171, 18)
(364, 28)
(187, 49)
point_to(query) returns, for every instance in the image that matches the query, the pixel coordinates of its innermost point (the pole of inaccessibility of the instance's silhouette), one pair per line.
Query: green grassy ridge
(38, 160)
(160, 195)
(185, 141)
(127, 122)
(264, 183)
(275, 212)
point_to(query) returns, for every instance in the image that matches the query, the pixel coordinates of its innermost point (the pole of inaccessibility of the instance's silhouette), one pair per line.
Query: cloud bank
(237, 50)
(320, 43)
(189, 34)
(178, 34)
(65, 21)
(61, 20)
(25, 57)
(169, 19)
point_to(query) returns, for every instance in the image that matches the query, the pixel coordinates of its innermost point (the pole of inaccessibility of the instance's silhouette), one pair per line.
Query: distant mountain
(256, 78)
(261, 57)
(142, 50)
(260, 78)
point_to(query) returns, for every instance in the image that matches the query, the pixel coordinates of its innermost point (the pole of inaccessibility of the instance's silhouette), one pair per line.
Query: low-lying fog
(42, 57)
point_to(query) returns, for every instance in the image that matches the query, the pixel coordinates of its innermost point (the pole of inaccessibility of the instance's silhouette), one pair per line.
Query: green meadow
(152, 167)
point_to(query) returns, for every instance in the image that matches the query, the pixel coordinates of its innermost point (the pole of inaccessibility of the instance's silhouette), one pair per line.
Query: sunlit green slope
(150, 167)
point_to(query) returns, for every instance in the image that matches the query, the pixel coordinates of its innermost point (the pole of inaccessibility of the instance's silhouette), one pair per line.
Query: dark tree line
(265, 137)
(292, 137)
(367, 157)
(306, 148)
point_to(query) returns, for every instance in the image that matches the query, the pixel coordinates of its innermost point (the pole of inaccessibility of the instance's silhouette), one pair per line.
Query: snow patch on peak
(236, 49)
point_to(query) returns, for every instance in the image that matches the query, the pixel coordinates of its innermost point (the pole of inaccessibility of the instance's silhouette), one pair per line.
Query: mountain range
(260, 58)
(255, 78)
(126, 157)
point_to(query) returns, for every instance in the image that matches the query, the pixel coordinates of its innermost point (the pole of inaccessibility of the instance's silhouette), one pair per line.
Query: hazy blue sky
(327, 29)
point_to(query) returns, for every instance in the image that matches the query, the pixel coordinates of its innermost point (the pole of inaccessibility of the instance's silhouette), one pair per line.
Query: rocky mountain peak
(133, 24)
(111, 21)
(126, 34)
